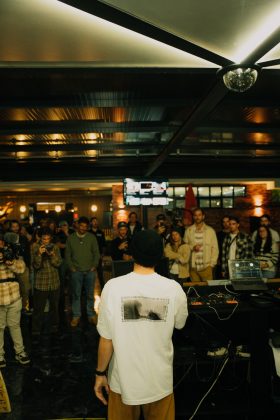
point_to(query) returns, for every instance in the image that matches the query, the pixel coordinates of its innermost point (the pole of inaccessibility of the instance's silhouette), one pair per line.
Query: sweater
(82, 253)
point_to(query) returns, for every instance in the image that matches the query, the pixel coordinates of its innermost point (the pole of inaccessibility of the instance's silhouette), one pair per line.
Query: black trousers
(40, 299)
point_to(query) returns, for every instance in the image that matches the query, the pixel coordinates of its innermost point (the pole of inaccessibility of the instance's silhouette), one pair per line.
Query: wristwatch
(99, 373)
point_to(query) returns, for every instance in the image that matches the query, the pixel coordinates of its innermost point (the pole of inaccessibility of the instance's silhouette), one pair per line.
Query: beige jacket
(182, 256)
(210, 245)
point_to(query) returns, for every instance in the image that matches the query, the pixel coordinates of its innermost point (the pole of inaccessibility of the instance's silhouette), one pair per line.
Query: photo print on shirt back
(144, 309)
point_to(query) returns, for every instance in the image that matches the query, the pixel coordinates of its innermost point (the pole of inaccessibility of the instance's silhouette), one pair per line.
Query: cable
(210, 389)
(199, 378)
(231, 292)
(234, 377)
(193, 288)
(183, 377)
(226, 318)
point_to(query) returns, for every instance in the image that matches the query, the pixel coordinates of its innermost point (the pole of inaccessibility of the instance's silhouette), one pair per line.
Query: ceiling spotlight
(239, 77)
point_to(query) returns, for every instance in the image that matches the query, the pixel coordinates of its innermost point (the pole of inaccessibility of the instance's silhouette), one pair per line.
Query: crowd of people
(139, 311)
(37, 265)
(199, 253)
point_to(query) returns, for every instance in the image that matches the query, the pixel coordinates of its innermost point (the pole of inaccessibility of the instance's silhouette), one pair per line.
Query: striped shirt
(9, 290)
(198, 238)
(46, 269)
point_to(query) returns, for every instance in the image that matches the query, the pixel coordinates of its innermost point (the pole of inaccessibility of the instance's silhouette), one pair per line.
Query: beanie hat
(147, 248)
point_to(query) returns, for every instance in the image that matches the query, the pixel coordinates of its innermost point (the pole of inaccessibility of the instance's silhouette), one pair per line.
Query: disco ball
(238, 78)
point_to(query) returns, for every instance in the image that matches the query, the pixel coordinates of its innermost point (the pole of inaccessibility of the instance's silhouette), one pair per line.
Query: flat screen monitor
(145, 192)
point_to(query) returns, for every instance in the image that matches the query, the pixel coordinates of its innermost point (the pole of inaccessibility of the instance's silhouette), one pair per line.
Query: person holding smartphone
(46, 261)
(120, 246)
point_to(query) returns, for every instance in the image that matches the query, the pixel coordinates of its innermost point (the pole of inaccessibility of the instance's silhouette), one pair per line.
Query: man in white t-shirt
(137, 316)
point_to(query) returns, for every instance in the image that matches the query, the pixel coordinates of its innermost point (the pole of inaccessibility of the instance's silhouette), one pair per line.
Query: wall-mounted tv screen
(145, 192)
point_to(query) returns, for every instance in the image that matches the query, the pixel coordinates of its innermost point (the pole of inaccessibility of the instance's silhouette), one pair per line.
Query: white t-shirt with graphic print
(138, 313)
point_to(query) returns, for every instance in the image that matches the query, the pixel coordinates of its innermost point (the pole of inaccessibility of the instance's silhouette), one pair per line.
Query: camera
(49, 247)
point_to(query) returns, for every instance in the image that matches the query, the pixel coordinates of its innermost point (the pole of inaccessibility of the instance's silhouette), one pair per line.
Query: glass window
(239, 191)
(216, 202)
(170, 205)
(170, 192)
(180, 191)
(216, 196)
(203, 191)
(204, 203)
(215, 191)
(228, 203)
(227, 191)
(180, 204)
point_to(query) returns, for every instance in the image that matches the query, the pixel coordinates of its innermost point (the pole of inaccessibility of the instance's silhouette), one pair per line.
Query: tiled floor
(58, 383)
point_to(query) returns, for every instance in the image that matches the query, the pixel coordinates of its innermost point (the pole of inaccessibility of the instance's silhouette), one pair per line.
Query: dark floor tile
(59, 381)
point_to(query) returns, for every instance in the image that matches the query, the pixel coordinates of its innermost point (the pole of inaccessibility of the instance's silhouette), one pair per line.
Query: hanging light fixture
(239, 77)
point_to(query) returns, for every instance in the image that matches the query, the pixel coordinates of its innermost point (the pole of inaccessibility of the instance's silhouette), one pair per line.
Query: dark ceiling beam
(262, 49)
(82, 126)
(121, 18)
(269, 63)
(186, 148)
(80, 103)
(192, 167)
(243, 127)
(209, 102)
(71, 146)
(234, 147)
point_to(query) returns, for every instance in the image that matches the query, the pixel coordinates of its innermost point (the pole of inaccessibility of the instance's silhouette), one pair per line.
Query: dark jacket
(116, 253)
(138, 227)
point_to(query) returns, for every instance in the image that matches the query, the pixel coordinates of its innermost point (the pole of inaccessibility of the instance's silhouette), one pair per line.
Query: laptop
(246, 275)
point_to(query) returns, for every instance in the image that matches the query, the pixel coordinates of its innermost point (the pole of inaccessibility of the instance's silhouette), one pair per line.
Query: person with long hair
(178, 253)
(266, 251)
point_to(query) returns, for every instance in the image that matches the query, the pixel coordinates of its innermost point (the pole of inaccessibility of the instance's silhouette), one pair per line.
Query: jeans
(10, 317)
(78, 280)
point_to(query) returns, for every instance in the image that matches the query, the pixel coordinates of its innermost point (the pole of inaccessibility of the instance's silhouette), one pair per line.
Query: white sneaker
(22, 358)
(242, 351)
(218, 352)
(2, 362)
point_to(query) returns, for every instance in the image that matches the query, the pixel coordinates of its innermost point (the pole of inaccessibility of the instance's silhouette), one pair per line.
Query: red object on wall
(190, 204)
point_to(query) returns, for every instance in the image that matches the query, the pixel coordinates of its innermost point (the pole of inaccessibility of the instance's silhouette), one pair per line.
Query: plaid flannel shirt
(9, 290)
(46, 269)
(244, 249)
